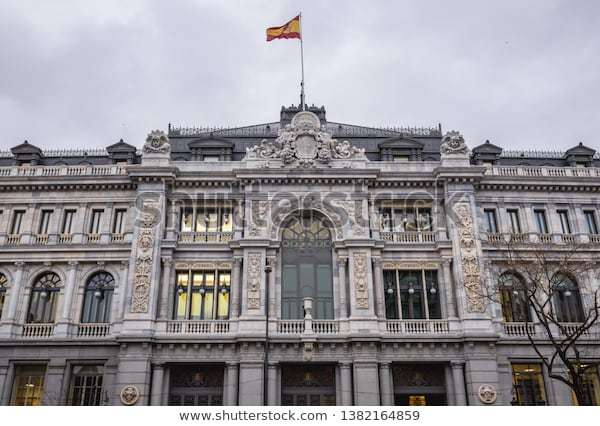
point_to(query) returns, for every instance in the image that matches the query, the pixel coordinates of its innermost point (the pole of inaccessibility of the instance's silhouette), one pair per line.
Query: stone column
(385, 384)
(272, 262)
(53, 383)
(236, 287)
(272, 385)
(346, 383)
(378, 291)
(14, 293)
(366, 383)
(158, 375)
(251, 383)
(449, 289)
(342, 262)
(62, 327)
(231, 392)
(166, 285)
(459, 382)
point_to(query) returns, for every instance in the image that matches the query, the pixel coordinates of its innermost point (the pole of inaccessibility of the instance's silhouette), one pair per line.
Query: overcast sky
(523, 74)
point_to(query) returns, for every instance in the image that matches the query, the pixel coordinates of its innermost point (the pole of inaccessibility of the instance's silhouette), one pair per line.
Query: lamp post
(268, 270)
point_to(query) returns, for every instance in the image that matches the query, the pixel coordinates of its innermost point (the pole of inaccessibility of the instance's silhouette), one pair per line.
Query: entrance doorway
(419, 384)
(307, 384)
(196, 384)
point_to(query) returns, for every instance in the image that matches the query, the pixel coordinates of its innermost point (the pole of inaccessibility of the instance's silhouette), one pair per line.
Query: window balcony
(65, 238)
(93, 330)
(408, 237)
(92, 238)
(594, 238)
(41, 239)
(117, 238)
(567, 238)
(519, 329)
(570, 328)
(302, 326)
(417, 327)
(38, 331)
(13, 239)
(205, 237)
(507, 238)
(198, 327)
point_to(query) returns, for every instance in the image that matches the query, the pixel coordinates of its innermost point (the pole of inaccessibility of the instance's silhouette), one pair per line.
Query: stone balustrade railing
(37, 331)
(543, 171)
(93, 330)
(519, 329)
(198, 327)
(417, 327)
(408, 237)
(57, 171)
(205, 237)
(508, 239)
(61, 239)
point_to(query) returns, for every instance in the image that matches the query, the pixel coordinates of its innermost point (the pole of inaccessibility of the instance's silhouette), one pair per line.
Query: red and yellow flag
(291, 29)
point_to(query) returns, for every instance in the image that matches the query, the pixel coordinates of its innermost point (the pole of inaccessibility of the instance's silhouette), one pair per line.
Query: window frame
(491, 220)
(542, 226)
(99, 391)
(395, 290)
(96, 221)
(17, 222)
(218, 290)
(514, 221)
(563, 216)
(99, 281)
(45, 218)
(44, 284)
(3, 291)
(397, 216)
(41, 385)
(590, 220)
(118, 223)
(223, 214)
(68, 216)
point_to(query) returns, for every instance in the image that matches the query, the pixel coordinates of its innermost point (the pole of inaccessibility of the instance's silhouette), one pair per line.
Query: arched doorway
(306, 267)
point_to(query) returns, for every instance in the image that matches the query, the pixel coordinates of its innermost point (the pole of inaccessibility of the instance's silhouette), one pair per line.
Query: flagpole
(303, 104)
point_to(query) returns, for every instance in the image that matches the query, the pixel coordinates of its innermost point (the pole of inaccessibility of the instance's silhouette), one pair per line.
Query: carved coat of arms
(304, 142)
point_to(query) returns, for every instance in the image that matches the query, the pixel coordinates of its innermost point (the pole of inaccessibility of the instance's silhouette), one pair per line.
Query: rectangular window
(86, 386)
(67, 225)
(515, 224)
(17, 221)
(28, 385)
(528, 385)
(590, 219)
(119, 222)
(409, 219)
(204, 219)
(187, 218)
(2, 293)
(540, 221)
(490, 220)
(411, 294)
(565, 225)
(206, 298)
(591, 387)
(95, 221)
(45, 222)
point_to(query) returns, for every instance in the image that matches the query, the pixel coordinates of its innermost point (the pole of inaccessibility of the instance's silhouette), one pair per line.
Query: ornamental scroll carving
(470, 262)
(304, 143)
(360, 281)
(254, 278)
(143, 262)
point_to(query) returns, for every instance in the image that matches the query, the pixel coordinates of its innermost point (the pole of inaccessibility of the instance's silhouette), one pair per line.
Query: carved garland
(143, 264)
(470, 261)
(360, 281)
(254, 278)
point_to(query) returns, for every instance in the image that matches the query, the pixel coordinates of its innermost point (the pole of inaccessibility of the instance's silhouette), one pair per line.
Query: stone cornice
(67, 186)
(538, 186)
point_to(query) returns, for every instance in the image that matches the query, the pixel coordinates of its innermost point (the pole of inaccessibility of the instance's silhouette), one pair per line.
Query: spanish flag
(291, 29)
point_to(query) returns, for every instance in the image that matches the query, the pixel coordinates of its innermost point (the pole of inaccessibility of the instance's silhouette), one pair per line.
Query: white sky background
(524, 74)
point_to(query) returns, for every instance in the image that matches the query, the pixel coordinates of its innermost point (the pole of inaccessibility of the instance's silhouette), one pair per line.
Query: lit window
(591, 386)
(528, 385)
(28, 386)
(204, 297)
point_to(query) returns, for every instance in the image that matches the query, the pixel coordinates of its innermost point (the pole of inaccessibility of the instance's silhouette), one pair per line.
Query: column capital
(345, 364)
(457, 364)
(342, 260)
(446, 261)
(232, 364)
(385, 364)
(167, 260)
(237, 260)
(377, 261)
(272, 261)
(72, 264)
(20, 264)
(125, 263)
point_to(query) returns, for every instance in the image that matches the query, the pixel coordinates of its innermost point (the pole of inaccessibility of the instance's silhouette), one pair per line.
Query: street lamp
(268, 270)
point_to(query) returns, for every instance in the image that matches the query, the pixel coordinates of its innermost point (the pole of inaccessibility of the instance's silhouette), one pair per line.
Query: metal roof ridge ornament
(304, 143)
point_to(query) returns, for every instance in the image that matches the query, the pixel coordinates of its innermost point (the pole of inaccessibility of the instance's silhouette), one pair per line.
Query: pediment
(580, 149)
(402, 143)
(210, 142)
(487, 148)
(120, 146)
(26, 148)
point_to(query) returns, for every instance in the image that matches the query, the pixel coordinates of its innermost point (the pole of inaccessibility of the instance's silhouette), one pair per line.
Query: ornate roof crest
(157, 142)
(453, 143)
(304, 143)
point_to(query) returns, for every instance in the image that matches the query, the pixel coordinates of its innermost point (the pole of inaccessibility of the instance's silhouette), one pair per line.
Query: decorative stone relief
(157, 142)
(360, 281)
(304, 143)
(204, 265)
(487, 394)
(143, 261)
(409, 265)
(469, 259)
(130, 395)
(258, 218)
(254, 279)
(453, 143)
(350, 207)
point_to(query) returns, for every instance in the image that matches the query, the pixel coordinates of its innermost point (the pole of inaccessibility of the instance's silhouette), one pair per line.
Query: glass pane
(196, 307)
(187, 216)
(223, 305)
(528, 385)
(389, 288)
(208, 304)
(433, 295)
(307, 280)
(226, 220)
(411, 295)
(28, 385)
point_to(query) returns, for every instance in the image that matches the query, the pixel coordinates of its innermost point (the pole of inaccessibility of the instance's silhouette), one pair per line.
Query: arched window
(567, 299)
(306, 268)
(97, 299)
(44, 296)
(513, 297)
(3, 283)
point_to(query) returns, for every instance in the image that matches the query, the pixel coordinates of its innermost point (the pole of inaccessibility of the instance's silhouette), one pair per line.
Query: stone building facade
(340, 264)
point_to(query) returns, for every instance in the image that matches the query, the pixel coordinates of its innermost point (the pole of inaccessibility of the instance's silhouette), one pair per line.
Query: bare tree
(541, 285)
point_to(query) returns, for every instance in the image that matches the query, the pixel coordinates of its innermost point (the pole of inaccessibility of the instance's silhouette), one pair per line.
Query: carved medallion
(130, 395)
(487, 394)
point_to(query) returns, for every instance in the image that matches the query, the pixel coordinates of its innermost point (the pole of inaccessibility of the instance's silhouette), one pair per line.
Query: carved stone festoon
(254, 278)
(304, 143)
(360, 281)
(469, 259)
(143, 263)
